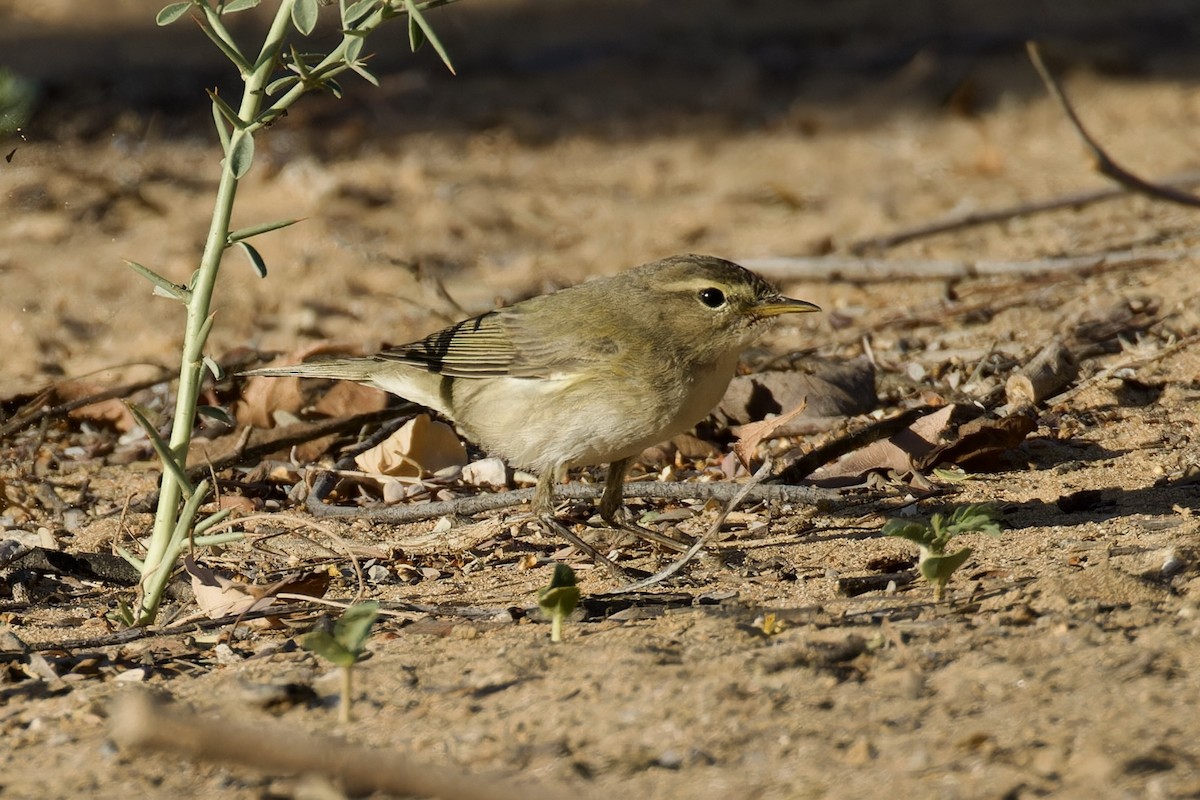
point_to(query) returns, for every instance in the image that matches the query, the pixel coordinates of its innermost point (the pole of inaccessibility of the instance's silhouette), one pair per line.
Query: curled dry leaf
(110, 413)
(899, 453)
(219, 596)
(980, 443)
(828, 390)
(749, 436)
(419, 448)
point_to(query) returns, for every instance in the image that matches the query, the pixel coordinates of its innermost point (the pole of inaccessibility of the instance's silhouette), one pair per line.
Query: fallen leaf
(830, 390)
(749, 436)
(980, 443)
(420, 448)
(110, 413)
(900, 453)
(219, 596)
(346, 399)
(264, 400)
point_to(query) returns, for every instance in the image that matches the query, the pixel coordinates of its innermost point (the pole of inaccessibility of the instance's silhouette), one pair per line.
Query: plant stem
(163, 550)
(347, 688)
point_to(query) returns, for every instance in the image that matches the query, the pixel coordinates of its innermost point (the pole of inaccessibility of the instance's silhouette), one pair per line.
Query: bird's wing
(504, 344)
(479, 347)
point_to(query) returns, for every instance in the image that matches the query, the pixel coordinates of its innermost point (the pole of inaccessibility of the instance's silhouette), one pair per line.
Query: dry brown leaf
(899, 453)
(420, 448)
(980, 443)
(830, 390)
(346, 399)
(110, 413)
(219, 596)
(262, 398)
(749, 436)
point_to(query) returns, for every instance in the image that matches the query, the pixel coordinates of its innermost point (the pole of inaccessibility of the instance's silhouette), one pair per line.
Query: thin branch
(62, 409)
(971, 219)
(468, 506)
(864, 270)
(1104, 163)
(706, 537)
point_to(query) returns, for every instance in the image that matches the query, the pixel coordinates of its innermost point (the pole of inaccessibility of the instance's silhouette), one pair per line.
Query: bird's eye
(712, 297)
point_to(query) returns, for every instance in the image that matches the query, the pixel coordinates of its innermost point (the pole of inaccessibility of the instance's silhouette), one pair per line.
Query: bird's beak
(774, 306)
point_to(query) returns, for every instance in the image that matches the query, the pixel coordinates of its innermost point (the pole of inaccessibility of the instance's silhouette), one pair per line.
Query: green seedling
(344, 646)
(935, 564)
(559, 599)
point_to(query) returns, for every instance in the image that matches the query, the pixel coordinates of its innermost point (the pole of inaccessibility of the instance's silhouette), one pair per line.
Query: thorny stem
(164, 548)
(172, 523)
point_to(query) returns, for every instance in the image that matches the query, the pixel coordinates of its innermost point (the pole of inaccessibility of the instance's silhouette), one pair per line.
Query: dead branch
(972, 219)
(867, 270)
(138, 722)
(36, 411)
(477, 504)
(1104, 164)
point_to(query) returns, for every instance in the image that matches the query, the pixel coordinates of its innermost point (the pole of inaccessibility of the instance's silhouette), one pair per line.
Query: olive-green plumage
(591, 374)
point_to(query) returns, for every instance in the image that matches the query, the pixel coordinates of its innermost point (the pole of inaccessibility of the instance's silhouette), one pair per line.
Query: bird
(587, 375)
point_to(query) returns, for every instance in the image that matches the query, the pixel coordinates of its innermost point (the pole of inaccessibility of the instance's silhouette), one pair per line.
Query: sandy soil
(578, 141)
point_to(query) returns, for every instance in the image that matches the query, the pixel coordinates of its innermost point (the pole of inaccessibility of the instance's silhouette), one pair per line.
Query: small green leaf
(225, 110)
(241, 154)
(162, 286)
(255, 258)
(171, 13)
(559, 599)
(304, 16)
(219, 414)
(415, 13)
(938, 569)
(328, 648)
(975, 518)
(356, 11)
(416, 38)
(367, 76)
(334, 87)
(276, 86)
(255, 230)
(234, 6)
(298, 64)
(214, 368)
(915, 532)
(169, 462)
(354, 626)
(353, 48)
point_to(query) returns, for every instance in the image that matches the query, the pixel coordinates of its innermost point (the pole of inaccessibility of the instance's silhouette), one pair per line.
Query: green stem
(347, 688)
(163, 550)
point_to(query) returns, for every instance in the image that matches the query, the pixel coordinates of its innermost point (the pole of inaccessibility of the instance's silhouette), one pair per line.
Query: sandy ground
(578, 141)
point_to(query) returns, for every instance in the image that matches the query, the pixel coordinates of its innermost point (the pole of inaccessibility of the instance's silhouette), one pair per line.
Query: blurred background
(579, 137)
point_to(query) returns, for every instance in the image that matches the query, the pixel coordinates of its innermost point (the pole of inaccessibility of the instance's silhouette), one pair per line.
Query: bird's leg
(543, 509)
(613, 511)
(613, 500)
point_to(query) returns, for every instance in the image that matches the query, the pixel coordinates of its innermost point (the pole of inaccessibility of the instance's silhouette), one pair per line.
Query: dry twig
(1104, 163)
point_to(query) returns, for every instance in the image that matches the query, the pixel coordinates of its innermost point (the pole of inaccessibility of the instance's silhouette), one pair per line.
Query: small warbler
(591, 374)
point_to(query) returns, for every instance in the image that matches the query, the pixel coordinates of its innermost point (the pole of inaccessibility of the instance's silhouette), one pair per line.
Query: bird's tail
(341, 369)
